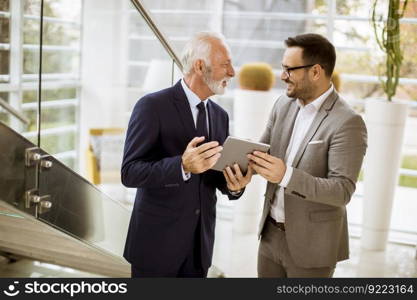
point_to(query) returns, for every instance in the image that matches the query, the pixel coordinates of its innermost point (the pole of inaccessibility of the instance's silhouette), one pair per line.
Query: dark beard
(302, 92)
(290, 94)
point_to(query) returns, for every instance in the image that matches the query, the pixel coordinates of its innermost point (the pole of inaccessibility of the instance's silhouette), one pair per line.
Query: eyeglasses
(287, 70)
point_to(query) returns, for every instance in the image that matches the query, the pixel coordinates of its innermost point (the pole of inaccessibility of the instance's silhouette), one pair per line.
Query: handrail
(7, 107)
(148, 19)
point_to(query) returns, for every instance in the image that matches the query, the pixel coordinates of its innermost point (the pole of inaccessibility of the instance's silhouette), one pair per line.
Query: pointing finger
(206, 146)
(260, 161)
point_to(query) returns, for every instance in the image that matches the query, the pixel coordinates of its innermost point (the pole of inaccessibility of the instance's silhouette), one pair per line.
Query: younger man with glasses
(317, 146)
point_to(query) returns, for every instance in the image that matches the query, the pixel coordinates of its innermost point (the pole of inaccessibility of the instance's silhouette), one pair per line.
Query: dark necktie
(202, 121)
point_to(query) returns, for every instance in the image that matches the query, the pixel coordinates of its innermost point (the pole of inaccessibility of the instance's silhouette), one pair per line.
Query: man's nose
(231, 72)
(284, 75)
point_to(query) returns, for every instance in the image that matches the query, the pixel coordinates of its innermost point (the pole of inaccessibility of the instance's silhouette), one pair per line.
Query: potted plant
(253, 102)
(385, 122)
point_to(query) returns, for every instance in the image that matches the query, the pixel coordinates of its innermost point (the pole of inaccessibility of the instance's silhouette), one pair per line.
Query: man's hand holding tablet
(234, 161)
(235, 150)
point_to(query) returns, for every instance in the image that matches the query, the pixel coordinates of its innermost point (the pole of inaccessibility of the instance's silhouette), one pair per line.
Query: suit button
(197, 211)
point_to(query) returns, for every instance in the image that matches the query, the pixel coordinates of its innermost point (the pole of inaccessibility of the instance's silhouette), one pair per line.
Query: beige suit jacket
(323, 180)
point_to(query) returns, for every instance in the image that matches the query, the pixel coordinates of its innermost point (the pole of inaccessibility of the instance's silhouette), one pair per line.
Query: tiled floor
(396, 261)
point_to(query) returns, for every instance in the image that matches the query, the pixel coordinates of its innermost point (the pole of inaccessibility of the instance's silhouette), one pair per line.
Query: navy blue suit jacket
(167, 209)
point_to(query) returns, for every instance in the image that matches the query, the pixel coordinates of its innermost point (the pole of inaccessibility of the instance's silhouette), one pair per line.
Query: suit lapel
(184, 111)
(288, 117)
(318, 120)
(281, 140)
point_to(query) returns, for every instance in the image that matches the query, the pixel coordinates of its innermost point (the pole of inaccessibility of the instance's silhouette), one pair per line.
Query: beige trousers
(274, 258)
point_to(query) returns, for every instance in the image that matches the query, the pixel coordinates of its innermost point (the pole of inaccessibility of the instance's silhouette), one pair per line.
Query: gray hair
(199, 47)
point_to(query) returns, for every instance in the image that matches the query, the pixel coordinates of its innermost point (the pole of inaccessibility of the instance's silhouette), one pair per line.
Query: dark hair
(316, 50)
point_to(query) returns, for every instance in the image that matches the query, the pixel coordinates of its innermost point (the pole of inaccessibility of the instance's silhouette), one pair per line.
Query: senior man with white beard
(173, 139)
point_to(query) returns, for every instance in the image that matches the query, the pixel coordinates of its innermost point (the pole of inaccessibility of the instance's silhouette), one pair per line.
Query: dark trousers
(189, 268)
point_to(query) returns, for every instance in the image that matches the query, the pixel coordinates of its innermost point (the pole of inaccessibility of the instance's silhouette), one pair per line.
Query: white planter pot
(385, 123)
(251, 112)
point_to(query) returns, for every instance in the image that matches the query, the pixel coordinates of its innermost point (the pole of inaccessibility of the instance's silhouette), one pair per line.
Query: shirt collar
(192, 98)
(318, 102)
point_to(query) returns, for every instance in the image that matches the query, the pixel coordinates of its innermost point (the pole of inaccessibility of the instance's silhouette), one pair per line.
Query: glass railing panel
(15, 177)
(81, 209)
(16, 37)
(68, 202)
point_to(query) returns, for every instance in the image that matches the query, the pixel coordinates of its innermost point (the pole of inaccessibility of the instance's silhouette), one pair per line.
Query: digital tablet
(235, 150)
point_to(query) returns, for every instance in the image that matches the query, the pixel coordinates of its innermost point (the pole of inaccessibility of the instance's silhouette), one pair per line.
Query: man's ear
(317, 72)
(199, 66)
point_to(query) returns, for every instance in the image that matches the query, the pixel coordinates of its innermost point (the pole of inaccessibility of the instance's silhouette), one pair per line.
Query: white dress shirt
(303, 121)
(193, 100)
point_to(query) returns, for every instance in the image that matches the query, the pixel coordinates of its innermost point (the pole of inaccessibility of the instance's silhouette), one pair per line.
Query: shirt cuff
(185, 176)
(287, 176)
(235, 193)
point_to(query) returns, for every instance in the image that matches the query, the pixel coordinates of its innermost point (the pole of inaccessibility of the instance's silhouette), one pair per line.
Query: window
(19, 74)
(255, 30)
(4, 41)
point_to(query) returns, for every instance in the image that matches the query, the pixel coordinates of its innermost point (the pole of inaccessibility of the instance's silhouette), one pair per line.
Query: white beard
(216, 86)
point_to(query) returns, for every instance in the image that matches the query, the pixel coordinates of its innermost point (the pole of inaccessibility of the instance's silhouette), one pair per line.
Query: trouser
(190, 267)
(274, 258)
